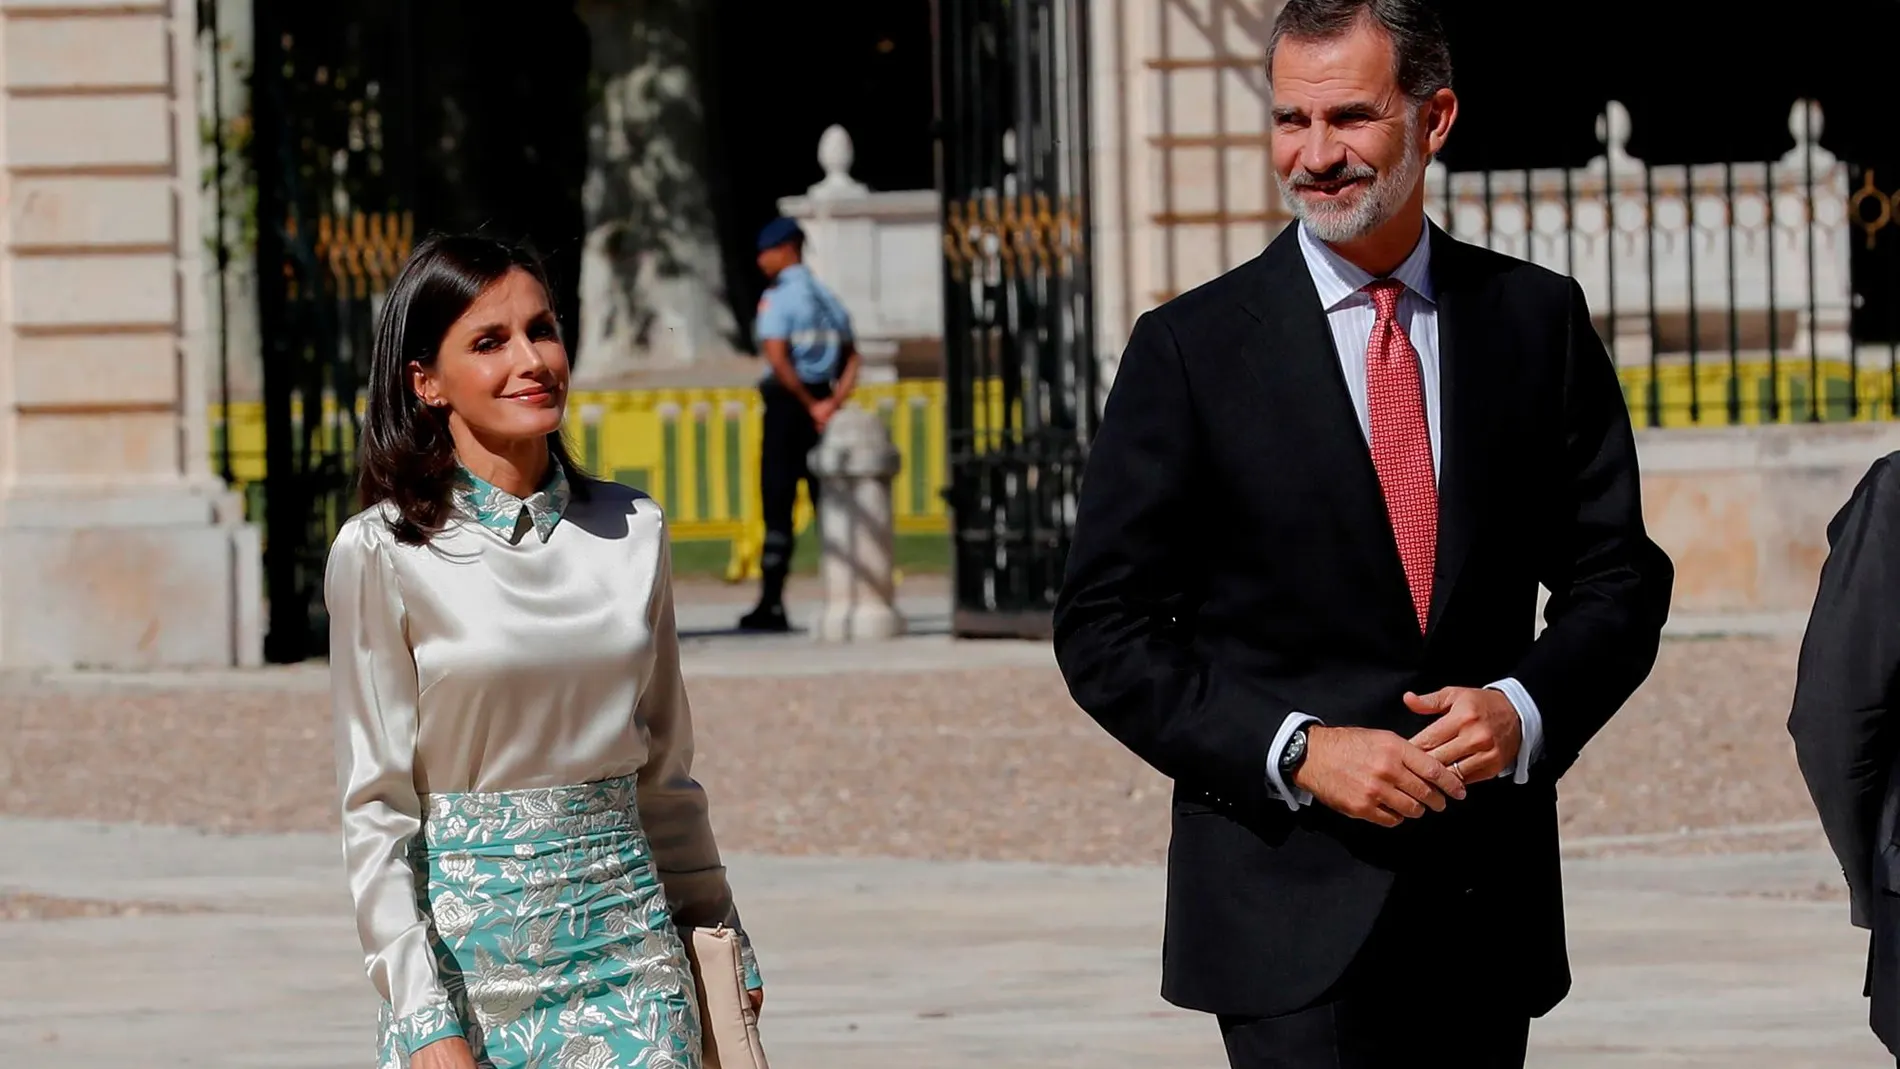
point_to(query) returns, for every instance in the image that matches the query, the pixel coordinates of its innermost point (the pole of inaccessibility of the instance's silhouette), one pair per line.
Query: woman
(520, 823)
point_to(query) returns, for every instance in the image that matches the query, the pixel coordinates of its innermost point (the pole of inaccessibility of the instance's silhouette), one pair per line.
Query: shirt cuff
(427, 1025)
(1532, 722)
(1293, 798)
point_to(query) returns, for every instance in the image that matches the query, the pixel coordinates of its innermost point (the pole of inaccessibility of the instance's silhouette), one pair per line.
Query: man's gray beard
(1374, 208)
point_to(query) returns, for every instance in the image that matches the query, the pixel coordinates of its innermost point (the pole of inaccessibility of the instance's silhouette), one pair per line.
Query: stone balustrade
(1741, 258)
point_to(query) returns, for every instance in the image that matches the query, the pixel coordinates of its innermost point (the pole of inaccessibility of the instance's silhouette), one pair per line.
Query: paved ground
(1681, 962)
(944, 863)
(922, 748)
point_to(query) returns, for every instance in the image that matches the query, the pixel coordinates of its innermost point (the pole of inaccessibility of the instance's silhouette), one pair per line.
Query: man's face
(778, 258)
(1349, 149)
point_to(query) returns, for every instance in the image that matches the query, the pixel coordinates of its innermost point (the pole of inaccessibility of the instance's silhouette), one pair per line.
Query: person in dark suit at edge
(1846, 722)
(1303, 584)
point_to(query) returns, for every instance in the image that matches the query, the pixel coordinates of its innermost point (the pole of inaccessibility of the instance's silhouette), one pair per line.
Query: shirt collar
(793, 273)
(1338, 280)
(502, 512)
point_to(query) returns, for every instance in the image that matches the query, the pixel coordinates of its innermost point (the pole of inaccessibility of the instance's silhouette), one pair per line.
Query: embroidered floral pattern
(750, 962)
(416, 1031)
(501, 512)
(552, 933)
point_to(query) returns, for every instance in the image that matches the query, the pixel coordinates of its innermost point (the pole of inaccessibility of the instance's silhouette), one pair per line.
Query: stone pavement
(1703, 961)
(710, 646)
(1680, 961)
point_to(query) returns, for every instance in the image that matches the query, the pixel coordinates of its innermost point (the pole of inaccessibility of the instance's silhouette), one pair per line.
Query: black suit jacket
(1846, 722)
(1233, 562)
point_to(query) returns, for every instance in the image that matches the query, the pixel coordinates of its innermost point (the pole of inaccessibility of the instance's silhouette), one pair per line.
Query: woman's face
(501, 370)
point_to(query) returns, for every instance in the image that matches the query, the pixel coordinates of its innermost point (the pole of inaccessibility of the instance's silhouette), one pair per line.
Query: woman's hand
(450, 1053)
(757, 995)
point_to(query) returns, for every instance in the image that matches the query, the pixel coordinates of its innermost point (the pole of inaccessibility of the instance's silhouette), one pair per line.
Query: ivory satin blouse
(529, 644)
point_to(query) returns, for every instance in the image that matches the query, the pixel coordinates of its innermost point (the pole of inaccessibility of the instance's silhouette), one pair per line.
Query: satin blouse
(529, 644)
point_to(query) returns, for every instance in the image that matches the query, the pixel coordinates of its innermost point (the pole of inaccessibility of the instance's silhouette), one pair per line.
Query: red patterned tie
(1402, 444)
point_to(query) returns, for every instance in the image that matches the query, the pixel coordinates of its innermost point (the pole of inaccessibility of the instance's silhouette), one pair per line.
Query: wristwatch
(1294, 753)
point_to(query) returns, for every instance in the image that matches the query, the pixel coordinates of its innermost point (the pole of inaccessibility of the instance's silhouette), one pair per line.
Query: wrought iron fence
(1019, 356)
(1728, 293)
(332, 101)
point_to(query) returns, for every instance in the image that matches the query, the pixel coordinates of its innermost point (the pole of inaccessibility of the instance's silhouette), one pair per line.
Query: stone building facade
(118, 547)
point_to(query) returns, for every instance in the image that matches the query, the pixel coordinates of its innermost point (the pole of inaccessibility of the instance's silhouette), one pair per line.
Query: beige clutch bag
(729, 1028)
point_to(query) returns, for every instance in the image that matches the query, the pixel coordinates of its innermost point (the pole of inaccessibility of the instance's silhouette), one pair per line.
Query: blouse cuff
(427, 1025)
(750, 963)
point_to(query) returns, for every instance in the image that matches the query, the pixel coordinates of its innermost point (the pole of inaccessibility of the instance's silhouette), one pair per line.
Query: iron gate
(1019, 352)
(332, 153)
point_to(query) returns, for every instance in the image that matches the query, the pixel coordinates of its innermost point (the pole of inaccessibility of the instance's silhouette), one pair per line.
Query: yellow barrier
(1845, 395)
(695, 450)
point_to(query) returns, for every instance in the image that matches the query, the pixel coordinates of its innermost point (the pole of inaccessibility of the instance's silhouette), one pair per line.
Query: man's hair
(1419, 49)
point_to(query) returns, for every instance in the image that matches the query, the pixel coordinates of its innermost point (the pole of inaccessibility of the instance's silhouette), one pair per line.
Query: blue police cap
(778, 232)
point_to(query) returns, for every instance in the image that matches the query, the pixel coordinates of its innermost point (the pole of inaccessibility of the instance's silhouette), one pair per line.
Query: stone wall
(1744, 511)
(1183, 186)
(117, 546)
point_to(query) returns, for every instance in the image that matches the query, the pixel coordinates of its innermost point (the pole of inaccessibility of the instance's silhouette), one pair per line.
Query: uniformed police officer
(805, 335)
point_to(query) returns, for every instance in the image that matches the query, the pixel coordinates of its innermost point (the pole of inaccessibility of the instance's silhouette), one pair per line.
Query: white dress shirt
(1351, 316)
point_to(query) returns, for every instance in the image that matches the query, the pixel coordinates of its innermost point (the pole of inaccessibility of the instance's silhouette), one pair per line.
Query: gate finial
(835, 155)
(1805, 123)
(1613, 131)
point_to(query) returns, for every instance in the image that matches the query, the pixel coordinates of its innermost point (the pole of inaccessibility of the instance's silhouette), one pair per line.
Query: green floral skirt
(551, 933)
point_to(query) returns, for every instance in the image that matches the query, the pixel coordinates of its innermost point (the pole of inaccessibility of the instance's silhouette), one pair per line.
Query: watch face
(1295, 750)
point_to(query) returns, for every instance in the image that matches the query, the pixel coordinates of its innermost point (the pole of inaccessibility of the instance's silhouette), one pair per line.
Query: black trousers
(789, 436)
(1421, 992)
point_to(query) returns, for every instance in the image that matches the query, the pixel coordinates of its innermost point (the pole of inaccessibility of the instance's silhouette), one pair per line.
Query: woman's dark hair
(408, 457)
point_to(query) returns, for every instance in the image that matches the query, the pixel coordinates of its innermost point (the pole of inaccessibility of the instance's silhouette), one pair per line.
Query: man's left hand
(1477, 733)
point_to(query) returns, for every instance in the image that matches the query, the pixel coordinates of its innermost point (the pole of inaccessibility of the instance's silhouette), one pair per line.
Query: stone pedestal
(118, 548)
(855, 463)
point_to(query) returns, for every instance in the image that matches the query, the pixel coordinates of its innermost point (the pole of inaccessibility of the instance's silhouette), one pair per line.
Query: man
(1844, 721)
(806, 338)
(1326, 488)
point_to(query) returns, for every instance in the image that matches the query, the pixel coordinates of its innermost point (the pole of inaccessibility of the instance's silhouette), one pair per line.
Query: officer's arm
(848, 343)
(779, 355)
(848, 376)
(775, 341)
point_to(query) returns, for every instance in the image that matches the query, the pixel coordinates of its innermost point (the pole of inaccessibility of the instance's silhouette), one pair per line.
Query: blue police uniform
(799, 311)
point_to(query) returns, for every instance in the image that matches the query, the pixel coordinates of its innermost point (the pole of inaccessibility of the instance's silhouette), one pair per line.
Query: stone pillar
(855, 463)
(118, 548)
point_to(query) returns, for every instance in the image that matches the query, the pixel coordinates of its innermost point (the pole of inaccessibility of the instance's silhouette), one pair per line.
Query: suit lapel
(1464, 306)
(1293, 357)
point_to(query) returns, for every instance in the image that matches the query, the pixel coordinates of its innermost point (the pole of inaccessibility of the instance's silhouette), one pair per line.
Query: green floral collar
(502, 512)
